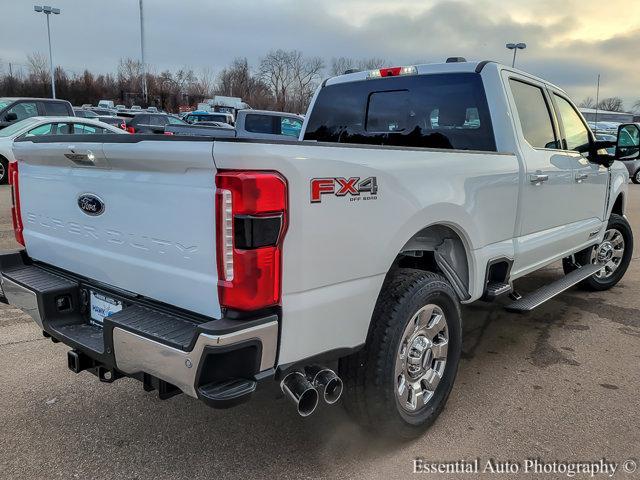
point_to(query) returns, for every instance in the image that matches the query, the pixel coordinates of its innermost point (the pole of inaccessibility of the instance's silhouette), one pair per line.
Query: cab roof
(434, 68)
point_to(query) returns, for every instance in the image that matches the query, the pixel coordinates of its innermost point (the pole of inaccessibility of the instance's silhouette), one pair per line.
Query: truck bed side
(337, 251)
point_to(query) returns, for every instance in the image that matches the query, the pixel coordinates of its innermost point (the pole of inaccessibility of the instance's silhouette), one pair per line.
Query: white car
(214, 266)
(38, 126)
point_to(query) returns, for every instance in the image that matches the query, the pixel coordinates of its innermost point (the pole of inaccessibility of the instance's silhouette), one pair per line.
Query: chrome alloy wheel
(608, 254)
(421, 358)
(3, 172)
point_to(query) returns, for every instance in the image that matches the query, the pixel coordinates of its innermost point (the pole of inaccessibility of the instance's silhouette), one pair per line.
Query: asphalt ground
(559, 384)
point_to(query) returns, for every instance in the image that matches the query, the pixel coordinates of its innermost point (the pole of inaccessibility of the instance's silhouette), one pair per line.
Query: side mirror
(11, 117)
(628, 145)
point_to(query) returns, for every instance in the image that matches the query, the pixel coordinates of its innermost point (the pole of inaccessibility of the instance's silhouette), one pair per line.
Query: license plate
(102, 307)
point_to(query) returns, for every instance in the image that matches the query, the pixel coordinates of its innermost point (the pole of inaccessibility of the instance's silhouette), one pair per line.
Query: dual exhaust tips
(304, 389)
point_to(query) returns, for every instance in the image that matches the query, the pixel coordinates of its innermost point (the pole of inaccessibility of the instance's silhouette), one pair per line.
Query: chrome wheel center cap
(605, 252)
(419, 356)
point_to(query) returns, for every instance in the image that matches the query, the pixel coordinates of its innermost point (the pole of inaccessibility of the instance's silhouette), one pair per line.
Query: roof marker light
(392, 72)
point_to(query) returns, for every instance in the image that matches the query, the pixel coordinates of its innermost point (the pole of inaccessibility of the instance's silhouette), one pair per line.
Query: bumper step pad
(38, 279)
(537, 298)
(156, 325)
(227, 393)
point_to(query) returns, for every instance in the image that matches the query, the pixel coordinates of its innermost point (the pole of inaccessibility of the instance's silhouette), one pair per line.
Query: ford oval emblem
(90, 204)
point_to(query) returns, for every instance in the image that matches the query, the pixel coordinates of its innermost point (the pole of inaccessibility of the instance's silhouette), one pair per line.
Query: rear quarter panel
(337, 252)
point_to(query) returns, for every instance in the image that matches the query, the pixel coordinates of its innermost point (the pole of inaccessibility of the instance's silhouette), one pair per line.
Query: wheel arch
(440, 247)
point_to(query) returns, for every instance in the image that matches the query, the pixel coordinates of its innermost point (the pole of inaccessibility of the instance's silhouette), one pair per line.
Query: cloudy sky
(569, 41)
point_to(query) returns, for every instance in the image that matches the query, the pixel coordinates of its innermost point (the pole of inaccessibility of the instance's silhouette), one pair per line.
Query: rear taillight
(130, 130)
(169, 133)
(123, 126)
(251, 213)
(16, 216)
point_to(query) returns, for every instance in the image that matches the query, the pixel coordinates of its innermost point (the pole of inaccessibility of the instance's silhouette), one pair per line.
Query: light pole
(515, 47)
(144, 65)
(47, 10)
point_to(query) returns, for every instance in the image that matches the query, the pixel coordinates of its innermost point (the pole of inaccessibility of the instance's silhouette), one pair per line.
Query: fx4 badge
(366, 189)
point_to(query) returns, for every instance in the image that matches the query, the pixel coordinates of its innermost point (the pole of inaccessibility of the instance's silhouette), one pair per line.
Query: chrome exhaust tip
(301, 392)
(326, 381)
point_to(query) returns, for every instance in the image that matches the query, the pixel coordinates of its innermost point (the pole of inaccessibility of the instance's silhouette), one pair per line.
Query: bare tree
(203, 85)
(38, 68)
(340, 65)
(291, 76)
(275, 70)
(611, 104)
(636, 107)
(130, 74)
(371, 63)
(587, 102)
(306, 74)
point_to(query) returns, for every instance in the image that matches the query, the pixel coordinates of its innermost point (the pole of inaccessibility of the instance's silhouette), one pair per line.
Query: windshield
(18, 127)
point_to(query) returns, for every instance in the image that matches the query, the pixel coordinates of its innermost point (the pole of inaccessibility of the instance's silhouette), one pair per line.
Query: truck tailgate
(156, 234)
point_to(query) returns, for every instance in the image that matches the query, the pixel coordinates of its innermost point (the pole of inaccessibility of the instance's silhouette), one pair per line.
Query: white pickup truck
(212, 267)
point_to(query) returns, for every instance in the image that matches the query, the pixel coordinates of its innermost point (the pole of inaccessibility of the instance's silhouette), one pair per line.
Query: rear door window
(446, 111)
(56, 109)
(534, 114)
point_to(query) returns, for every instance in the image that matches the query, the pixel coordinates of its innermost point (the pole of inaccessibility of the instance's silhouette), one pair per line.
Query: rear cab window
(447, 111)
(56, 109)
(256, 123)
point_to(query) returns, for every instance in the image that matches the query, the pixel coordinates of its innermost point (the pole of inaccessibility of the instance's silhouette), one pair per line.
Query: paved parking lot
(559, 384)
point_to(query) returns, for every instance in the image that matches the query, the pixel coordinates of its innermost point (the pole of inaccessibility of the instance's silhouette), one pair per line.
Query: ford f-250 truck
(212, 266)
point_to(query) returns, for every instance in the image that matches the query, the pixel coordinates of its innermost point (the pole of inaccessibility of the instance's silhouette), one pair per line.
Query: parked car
(119, 122)
(201, 116)
(14, 109)
(84, 113)
(106, 104)
(136, 107)
(144, 122)
(103, 111)
(341, 258)
(44, 126)
(627, 139)
(152, 109)
(120, 107)
(259, 124)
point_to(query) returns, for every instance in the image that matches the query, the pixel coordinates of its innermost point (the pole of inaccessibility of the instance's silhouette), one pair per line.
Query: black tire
(583, 257)
(636, 177)
(369, 375)
(4, 171)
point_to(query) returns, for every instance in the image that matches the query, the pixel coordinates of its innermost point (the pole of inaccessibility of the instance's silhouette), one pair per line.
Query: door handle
(537, 178)
(581, 176)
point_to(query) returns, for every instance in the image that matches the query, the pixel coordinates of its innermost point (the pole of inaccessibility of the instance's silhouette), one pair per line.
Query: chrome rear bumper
(123, 348)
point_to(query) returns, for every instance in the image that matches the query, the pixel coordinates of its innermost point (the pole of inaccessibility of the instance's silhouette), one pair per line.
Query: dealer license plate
(102, 307)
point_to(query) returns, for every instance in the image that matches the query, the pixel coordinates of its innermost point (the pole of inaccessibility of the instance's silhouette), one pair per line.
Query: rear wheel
(4, 170)
(400, 381)
(636, 177)
(613, 254)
